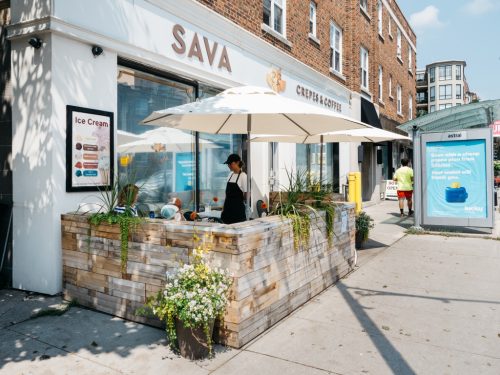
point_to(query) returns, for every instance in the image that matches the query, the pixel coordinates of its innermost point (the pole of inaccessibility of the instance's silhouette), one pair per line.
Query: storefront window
(159, 160)
(213, 152)
(308, 159)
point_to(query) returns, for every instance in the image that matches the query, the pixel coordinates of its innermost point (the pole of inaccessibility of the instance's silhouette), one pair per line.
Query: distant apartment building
(442, 85)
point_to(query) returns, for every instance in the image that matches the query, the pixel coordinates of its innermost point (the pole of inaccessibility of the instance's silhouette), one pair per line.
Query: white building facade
(442, 85)
(155, 55)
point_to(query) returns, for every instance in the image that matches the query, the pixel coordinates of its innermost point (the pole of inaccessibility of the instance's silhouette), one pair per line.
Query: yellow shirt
(404, 177)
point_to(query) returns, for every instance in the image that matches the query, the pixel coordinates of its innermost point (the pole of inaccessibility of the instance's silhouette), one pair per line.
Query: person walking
(236, 188)
(404, 179)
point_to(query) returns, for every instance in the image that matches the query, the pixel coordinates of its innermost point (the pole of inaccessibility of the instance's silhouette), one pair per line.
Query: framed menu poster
(89, 149)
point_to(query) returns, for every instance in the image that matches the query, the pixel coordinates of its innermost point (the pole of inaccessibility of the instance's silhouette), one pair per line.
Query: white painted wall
(65, 72)
(61, 72)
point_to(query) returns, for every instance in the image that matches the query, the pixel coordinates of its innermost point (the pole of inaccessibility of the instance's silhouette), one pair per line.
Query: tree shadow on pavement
(79, 331)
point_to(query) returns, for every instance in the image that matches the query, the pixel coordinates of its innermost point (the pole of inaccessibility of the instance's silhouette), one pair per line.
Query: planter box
(271, 277)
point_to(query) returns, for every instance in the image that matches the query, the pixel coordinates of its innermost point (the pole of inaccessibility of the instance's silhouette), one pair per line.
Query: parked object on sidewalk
(189, 304)
(364, 223)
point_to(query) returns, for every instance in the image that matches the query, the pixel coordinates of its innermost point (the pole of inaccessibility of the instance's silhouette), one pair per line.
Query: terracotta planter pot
(192, 341)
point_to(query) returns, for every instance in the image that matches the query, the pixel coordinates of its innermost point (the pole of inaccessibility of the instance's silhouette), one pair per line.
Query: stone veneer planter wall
(271, 277)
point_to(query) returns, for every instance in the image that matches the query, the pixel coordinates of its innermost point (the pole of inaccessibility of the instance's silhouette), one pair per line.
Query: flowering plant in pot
(364, 223)
(190, 302)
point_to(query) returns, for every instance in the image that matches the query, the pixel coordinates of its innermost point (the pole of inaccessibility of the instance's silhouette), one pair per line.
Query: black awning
(369, 114)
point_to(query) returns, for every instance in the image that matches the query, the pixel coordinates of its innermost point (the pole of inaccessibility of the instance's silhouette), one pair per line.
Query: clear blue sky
(460, 29)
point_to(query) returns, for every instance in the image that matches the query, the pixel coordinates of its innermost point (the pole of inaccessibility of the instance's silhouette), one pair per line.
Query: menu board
(89, 149)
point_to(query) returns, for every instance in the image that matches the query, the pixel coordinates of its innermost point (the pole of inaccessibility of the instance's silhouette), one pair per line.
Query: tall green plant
(108, 198)
(300, 187)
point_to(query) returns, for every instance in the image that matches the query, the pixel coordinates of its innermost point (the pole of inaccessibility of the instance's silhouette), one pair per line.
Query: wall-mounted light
(96, 51)
(35, 42)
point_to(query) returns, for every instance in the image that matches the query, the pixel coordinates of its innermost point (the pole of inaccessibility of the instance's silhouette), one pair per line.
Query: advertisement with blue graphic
(456, 179)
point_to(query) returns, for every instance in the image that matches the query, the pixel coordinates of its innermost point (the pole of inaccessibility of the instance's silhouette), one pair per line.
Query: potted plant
(189, 304)
(364, 223)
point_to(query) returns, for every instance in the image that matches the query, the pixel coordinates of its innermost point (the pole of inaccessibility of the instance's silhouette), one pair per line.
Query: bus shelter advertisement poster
(456, 179)
(90, 149)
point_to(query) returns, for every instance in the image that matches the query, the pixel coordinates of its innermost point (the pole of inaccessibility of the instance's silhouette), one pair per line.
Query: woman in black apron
(234, 205)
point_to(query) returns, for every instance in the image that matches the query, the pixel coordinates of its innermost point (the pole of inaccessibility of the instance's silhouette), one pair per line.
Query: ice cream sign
(89, 149)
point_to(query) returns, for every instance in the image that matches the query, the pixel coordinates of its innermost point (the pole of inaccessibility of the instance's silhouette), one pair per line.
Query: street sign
(391, 190)
(495, 126)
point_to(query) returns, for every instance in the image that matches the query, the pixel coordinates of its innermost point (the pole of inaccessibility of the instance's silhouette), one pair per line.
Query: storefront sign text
(318, 98)
(195, 50)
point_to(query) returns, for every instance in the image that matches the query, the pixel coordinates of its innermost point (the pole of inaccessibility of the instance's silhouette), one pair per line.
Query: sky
(459, 30)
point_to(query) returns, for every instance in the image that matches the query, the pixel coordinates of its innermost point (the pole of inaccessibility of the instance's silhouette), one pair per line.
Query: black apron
(234, 207)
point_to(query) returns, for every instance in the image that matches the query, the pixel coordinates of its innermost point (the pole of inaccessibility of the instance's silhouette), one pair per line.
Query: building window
(364, 5)
(420, 77)
(432, 93)
(399, 51)
(458, 72)
(445, 73)
(389, 27)
(410, 108)
(308, 161)
(410, 58)
(390, 85)
(421, 98)
(432, 75)
(444, 92)
(458, 93)
(445, 106)
(364, 68)
(380, 11)
(380, 83)
(312, 18)
(335, 48)
(400, 105)
(432, 109)
(274, 15)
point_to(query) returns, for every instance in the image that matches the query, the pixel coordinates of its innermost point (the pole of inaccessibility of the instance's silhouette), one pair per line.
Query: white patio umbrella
(368, 134)
(252, 110)
(163, 140)
(126, 137)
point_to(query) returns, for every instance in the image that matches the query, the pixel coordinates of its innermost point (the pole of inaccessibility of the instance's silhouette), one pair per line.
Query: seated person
(172, 210)
(127, 200)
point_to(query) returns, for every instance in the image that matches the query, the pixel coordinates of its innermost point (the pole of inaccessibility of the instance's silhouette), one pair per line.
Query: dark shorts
(405, 194)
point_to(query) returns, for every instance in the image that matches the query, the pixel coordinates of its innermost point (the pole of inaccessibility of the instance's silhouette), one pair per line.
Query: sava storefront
(151, 55)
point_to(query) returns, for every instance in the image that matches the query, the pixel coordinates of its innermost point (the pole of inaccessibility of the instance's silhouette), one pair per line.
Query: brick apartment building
(127, 59)
(373, 30)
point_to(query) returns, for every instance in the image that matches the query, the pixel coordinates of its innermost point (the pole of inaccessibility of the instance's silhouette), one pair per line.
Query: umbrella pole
(249, 160)
(321, 161)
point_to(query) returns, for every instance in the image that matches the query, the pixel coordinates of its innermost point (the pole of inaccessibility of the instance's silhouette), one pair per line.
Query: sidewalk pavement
(418, 304)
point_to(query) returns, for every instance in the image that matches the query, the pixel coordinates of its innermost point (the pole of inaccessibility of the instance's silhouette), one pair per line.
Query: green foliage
(304, 198)
(196, 295)
(496, 166)
(126, 221)
(364, 223)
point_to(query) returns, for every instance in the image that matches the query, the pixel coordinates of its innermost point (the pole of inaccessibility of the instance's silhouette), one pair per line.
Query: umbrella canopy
(252, 110)
(163, 140)
(370, 134)
(126, 137)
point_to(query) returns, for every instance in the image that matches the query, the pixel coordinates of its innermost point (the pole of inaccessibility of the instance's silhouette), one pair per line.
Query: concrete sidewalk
(419, 304)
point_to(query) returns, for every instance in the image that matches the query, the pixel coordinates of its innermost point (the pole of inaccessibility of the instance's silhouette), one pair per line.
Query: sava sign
(200, 48)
